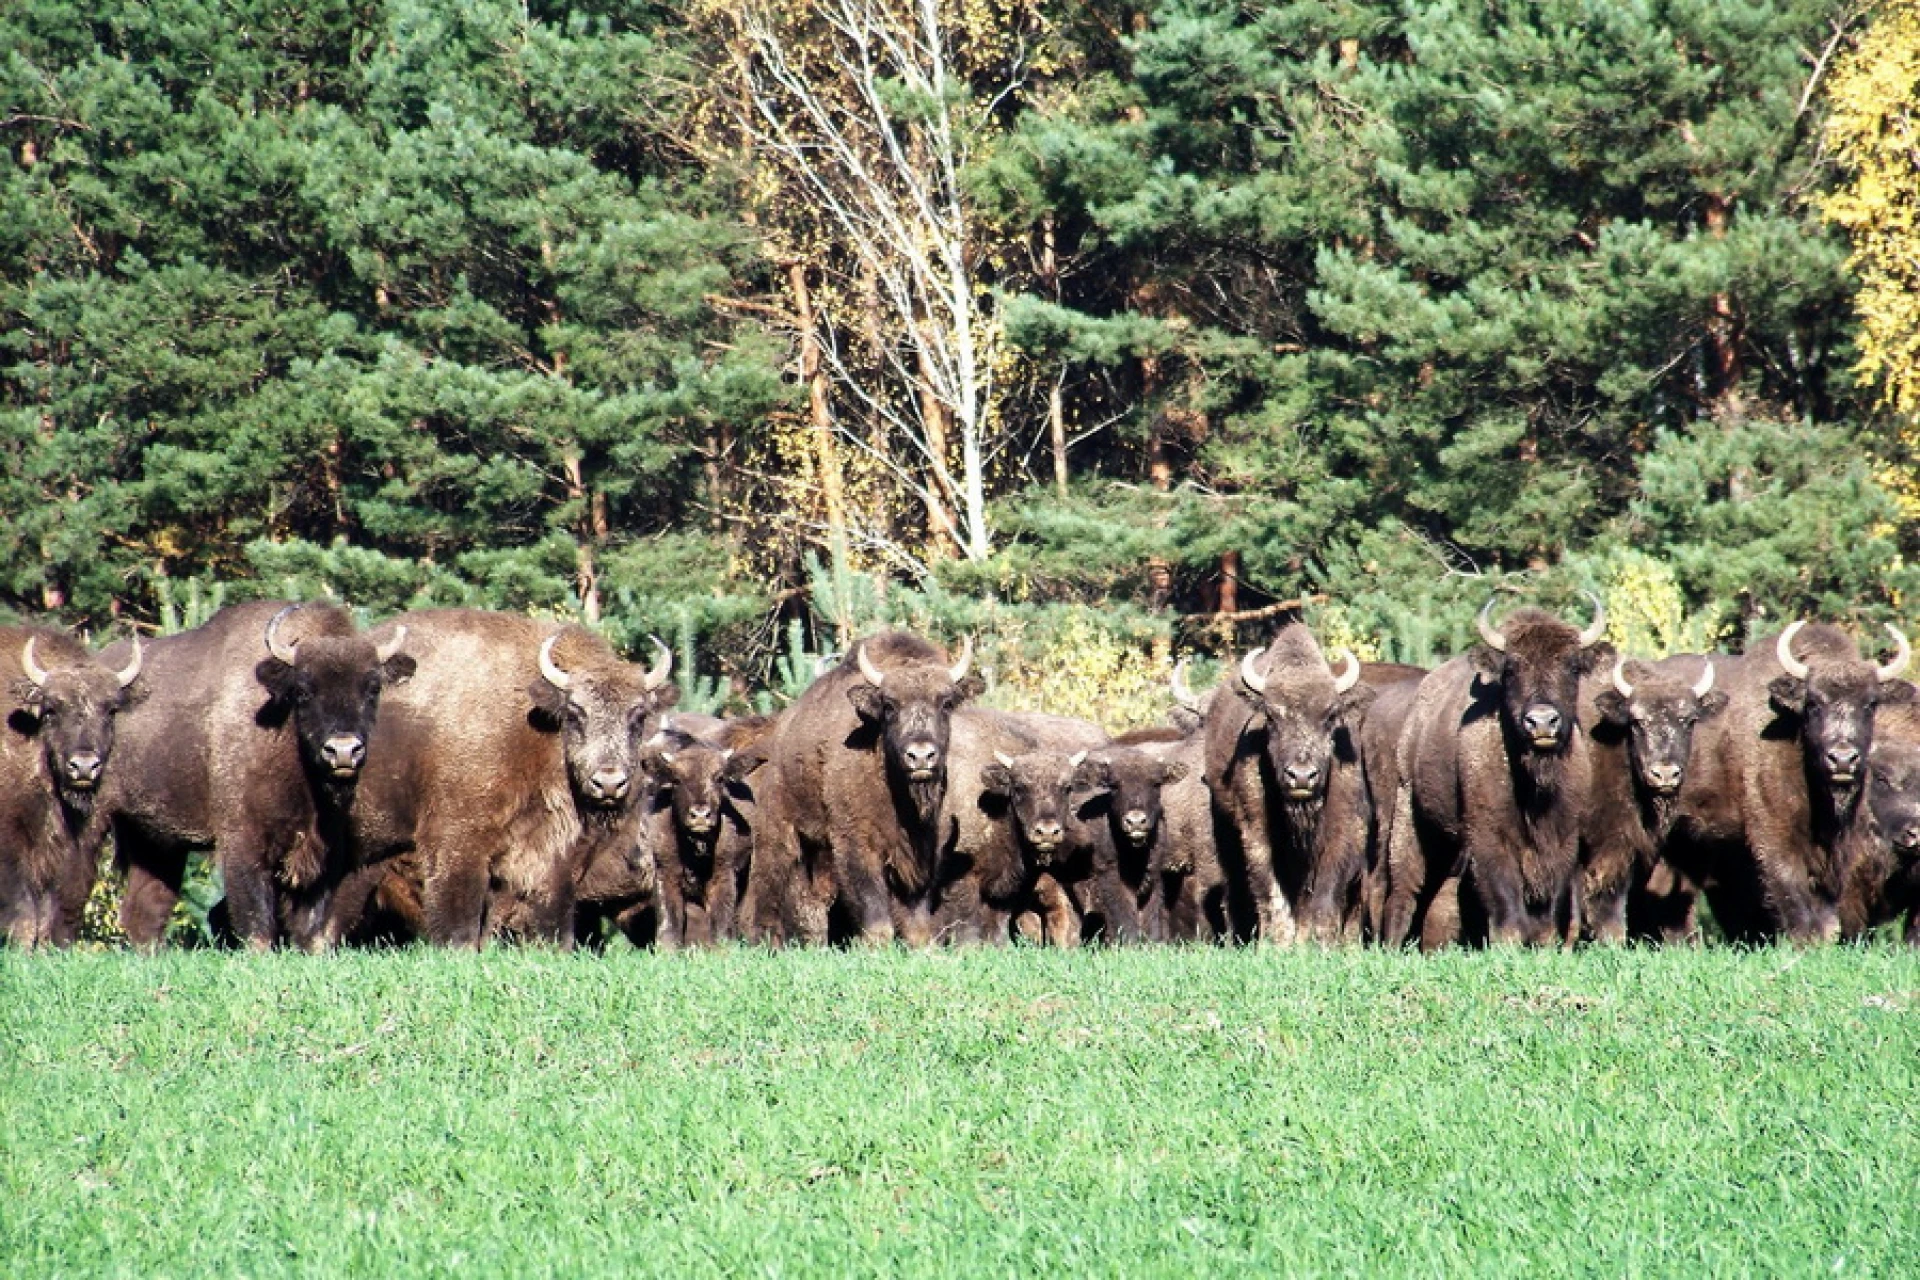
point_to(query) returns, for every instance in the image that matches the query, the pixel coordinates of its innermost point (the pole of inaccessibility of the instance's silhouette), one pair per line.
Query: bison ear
(1716, 701)
(1596, 657)
(1896, 693)
(867, 701)
(398, 669)
(1788, 694)
(276, 677)
(549, 703)
(1173, 771)
(971, 687)
(1613, 707)
(1353, 704)
(1488, 663)
(996, 780)
(743, 762)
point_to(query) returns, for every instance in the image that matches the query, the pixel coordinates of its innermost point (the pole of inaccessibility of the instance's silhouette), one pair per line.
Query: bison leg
(455, 894)
(154, 875)
(1405, 873)
(1440, 925)
(863, 889)
(1060, 921)
(250, 893)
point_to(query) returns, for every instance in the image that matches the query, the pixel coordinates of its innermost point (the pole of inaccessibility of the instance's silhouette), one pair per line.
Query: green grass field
(1165, 1112)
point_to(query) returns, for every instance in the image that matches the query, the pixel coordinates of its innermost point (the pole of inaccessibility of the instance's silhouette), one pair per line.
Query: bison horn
(551, 669)
(275, 646)
(959, 670)
(1596, 628)
(35, 672)
(131, 672)
(873, 674)
(1705, 684)
(1784, 651)
(1349, 672)
(1182, 694)
(1077, 759)
(1489, 632)
(824, 663)
(1898, 662)
(1250, 674)
(385, 653)
(662, 668)
(1620, 676)
(1006, 761)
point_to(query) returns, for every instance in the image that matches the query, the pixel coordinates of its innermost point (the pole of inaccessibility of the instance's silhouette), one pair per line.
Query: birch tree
(865, 115)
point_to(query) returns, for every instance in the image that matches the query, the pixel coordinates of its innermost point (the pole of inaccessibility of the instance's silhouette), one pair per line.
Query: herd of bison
(459, 775)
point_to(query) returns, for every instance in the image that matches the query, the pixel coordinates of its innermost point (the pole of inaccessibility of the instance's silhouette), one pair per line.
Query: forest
(753, 324)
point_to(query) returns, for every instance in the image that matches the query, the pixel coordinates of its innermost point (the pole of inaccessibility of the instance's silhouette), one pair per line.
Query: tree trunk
(826, 452)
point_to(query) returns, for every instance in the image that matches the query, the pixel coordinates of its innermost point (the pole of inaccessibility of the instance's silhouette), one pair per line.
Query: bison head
(697, 778)
(1893, 796)
(1132, 780)
(1832, 691)
(1038, 788)
(331, 685)
(604, 709)
(71, 709)
(1657, 711)
(1301, 704)
(1535, 661)
(912, 703)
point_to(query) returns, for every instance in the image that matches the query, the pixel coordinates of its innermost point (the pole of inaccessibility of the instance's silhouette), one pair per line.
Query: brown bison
(1773, 848)
(1379, 742)
(1641, 721)
(1160, 822)
(1494, 776)
(1285, 775)
(510, 758)
(696, 819)
(251, 741)
(855, 780)
(53, 752)
(1884, 882)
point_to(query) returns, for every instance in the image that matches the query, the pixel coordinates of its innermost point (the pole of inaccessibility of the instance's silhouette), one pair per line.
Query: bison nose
(1302, 778)
(701, 811)
(83, 768)
(343, 752)
(1135, 822)
(1664, 777)
(1047, 831)
(921, 758)
(1843, 760)
(1909, 839)
(607, 784)
(1541, 723)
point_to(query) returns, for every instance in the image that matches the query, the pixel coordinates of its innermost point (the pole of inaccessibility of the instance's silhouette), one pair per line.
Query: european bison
(55, 747)
(696, 820)
(856, 777)
(1379, 741)
(1641, 721)
(1160, 820)
(1884, 882)
(252, 741)
(1774, 847)
(1494, 777)
(512, 755)
(1285, 774)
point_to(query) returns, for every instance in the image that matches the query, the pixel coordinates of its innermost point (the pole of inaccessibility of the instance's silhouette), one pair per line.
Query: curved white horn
(873, 674)
(1596, 628)
(958, 671)
(1898, 662)
(1349, 674)
(1620, 676)
(275, 646)
(1006, 761)
(1705, 683)
(1784, 651)
(131, 672)
(35, 672)
(662, 667)
(1489, 632)
(551, 669)
(1182, 694)
(1250, 675)
(1077, 759)
(385, 653)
